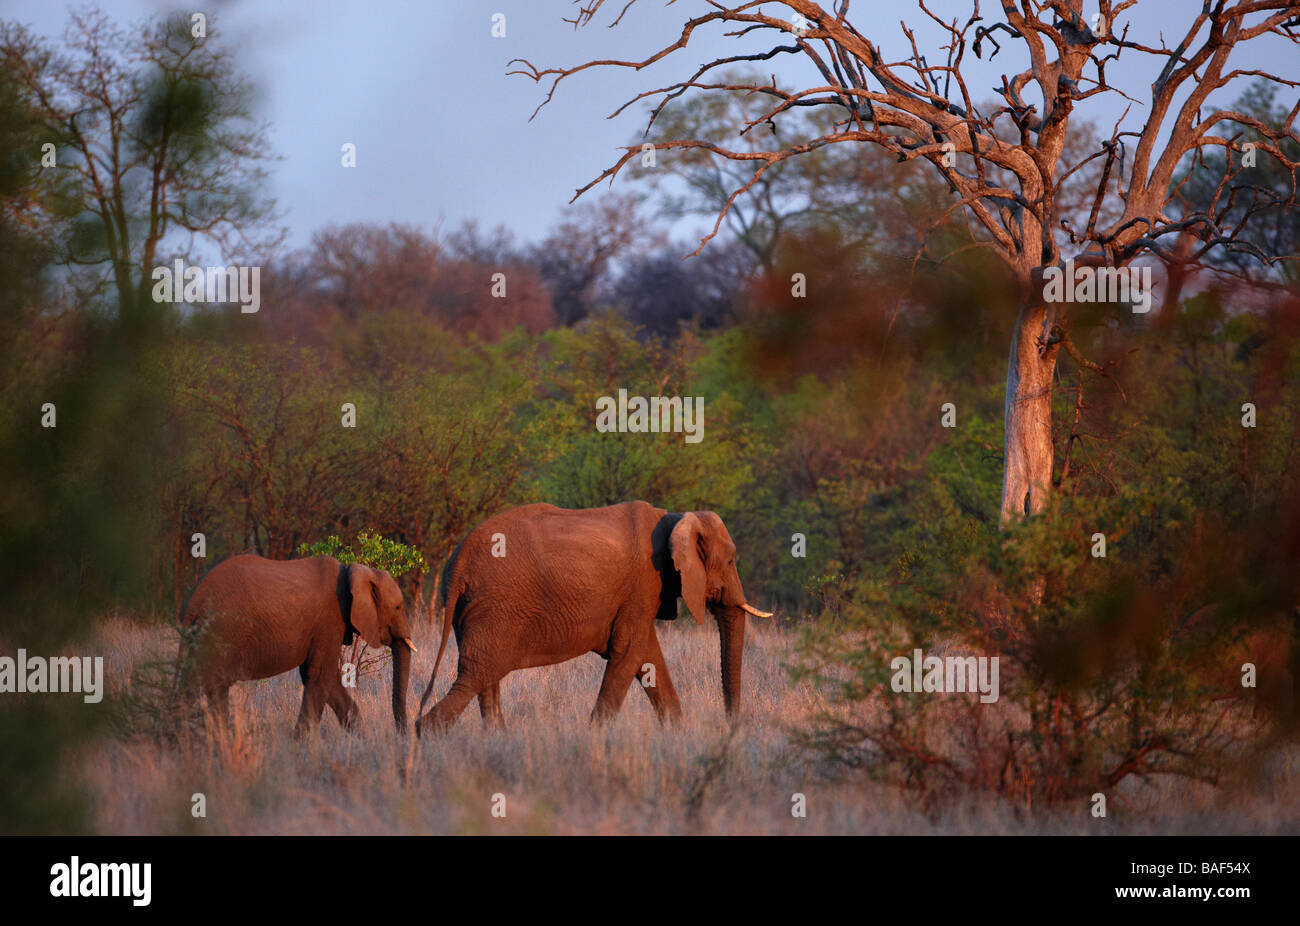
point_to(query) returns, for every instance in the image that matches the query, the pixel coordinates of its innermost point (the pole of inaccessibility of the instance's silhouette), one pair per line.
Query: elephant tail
(451, 598)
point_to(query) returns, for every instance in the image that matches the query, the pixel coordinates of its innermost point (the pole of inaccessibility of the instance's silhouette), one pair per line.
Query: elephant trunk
(401, 676)
(731, 630)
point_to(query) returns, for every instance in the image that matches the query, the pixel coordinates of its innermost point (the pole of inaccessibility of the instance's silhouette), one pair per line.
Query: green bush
(370, 550)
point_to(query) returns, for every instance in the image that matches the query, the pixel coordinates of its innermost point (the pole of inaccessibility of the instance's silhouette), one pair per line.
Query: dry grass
(559, 775)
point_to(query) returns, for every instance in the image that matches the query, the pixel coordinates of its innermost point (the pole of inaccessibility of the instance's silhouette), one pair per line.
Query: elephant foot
(671, 718)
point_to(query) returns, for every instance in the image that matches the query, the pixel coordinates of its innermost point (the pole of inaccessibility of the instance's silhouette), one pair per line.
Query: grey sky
(442, 133)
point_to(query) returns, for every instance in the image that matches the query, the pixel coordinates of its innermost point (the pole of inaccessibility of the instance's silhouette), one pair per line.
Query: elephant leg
(315, 693)
(313, 705)
(489, 705)
(662, 694)
(619, 672)
(443, 714)
(476, 677)
(344, 708)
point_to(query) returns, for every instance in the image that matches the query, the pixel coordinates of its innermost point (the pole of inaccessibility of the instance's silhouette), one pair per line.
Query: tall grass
(560, 775)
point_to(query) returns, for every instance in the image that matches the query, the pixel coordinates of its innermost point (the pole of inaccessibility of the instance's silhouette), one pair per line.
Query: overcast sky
(442, 133)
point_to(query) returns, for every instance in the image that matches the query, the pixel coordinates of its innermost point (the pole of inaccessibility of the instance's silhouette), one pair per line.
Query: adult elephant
(539, 585)
(252, 617)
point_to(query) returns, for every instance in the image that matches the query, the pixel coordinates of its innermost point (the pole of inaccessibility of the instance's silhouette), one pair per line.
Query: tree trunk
(1027, 453)
(417, 588)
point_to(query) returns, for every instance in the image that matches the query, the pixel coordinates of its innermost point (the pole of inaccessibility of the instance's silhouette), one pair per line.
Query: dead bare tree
(919, 108)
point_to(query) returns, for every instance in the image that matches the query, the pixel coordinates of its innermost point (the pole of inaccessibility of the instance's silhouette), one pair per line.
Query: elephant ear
(365, 609)
(686, 543)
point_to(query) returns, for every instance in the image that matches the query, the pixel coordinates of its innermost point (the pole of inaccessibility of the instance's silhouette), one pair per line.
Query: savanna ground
(560, 775)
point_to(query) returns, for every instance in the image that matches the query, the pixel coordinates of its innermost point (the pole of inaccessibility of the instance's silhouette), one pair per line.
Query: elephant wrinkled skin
(252, 618)
(539, 585)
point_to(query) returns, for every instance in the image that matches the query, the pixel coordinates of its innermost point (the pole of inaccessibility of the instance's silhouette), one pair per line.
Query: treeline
(823, 418)
(455, 421)
(607, 256)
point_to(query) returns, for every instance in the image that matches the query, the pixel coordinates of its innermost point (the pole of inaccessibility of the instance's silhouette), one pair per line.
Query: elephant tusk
(407, 641)
(756, 612)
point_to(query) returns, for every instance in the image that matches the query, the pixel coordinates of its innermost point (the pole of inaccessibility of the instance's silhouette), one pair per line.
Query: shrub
(370, 550)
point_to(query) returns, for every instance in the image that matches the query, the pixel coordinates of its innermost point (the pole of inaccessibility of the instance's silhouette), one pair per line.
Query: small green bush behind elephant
(253, 618)
(539, 585)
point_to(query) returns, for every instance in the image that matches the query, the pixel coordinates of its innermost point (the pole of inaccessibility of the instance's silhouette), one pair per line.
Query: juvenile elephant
(539, 585)
(252, 618)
